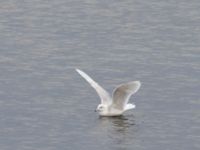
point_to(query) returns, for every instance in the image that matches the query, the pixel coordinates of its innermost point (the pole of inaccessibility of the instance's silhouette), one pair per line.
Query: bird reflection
(119, 129)
(119, 123)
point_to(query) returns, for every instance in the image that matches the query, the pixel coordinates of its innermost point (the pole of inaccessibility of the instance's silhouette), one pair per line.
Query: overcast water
(46, 105)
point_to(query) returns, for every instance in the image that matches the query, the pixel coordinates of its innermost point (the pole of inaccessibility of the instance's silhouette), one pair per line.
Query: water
(46, 105)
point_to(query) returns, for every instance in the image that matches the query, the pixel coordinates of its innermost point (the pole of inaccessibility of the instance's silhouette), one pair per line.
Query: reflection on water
(119, 129)
(119, 123)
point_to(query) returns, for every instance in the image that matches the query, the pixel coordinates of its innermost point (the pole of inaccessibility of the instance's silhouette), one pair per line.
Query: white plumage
(118, 103)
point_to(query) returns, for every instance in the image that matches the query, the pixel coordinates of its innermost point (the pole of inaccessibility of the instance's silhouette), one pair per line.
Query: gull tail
(129, 106)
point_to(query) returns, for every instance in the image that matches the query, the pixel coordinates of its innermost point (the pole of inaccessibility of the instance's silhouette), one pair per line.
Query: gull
(118, 103)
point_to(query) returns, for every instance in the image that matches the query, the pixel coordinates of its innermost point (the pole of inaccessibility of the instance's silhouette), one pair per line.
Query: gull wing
(123, 92)
(103, 94)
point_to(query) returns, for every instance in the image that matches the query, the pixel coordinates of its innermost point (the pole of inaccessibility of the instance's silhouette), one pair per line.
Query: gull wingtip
(77, 70)
(138, 81)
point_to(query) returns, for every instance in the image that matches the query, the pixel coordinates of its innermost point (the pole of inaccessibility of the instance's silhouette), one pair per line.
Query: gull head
(101, 109)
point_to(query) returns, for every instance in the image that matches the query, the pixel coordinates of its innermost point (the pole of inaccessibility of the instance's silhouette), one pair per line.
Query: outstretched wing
(123, 92)
(103, 94)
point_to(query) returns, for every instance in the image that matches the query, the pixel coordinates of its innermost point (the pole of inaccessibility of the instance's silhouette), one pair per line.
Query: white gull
(118, 103)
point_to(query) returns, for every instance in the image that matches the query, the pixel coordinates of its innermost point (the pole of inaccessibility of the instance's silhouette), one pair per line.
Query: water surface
(46, 105)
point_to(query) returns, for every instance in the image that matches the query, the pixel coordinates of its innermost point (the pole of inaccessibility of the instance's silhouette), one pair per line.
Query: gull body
(118, 103)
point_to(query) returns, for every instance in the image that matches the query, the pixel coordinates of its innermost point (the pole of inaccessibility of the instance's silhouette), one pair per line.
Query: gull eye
(101, 107)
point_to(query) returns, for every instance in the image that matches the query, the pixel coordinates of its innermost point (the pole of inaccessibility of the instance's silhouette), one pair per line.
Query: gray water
(46, 105)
